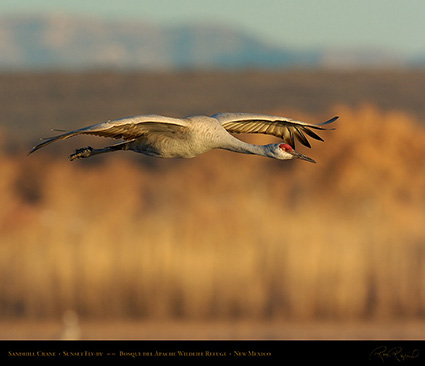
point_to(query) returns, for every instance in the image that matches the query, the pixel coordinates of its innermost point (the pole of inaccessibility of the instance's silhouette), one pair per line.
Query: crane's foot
(85, 152)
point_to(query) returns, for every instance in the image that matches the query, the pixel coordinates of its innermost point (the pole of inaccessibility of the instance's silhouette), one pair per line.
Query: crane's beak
(298, 155)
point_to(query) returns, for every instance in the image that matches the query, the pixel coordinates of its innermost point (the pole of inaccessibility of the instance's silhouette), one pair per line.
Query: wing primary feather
(312, 134)
(329, 121)
(301, 138)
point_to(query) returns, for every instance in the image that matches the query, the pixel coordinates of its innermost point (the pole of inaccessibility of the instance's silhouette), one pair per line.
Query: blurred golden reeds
(222, 235)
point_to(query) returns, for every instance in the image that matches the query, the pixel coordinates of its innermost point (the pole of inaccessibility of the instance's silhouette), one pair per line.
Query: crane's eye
(286, 147)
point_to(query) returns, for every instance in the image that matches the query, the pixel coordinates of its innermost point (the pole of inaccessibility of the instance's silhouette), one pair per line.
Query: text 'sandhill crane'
(188, 137)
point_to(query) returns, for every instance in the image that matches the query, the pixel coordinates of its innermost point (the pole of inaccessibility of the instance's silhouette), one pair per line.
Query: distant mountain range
(65, 42)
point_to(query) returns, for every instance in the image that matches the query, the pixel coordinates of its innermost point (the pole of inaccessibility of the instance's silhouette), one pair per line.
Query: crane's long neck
(239, 146)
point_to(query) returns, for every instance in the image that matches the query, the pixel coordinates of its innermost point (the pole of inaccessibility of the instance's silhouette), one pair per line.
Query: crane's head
(285, 152)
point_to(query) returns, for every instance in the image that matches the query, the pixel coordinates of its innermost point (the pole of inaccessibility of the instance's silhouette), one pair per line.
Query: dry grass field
(229, 239)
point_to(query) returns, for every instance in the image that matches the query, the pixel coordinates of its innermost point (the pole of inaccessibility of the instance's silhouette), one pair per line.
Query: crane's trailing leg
(85, 152)
(88, 151)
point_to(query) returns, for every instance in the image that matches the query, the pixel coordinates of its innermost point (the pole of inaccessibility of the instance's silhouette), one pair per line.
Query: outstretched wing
(128, 128)
(286, 128)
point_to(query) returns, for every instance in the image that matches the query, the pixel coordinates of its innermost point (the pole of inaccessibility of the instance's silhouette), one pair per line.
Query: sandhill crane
(167, 137)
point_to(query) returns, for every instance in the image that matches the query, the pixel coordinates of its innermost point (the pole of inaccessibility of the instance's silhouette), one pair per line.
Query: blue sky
(394, 25)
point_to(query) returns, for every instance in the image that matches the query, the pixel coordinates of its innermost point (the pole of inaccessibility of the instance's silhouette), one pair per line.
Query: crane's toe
(85, 152)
